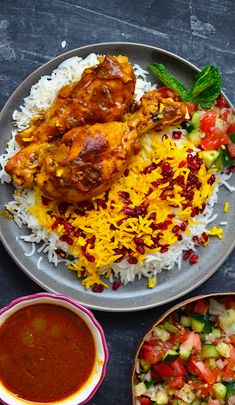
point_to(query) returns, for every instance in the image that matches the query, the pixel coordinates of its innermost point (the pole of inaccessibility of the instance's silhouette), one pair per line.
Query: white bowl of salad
(188, 356)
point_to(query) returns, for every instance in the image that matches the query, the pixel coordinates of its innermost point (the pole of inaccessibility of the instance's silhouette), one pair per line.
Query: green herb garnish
(205, 90)
(170, 81)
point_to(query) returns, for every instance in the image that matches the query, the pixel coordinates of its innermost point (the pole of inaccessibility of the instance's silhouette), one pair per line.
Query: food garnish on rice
(123, 193)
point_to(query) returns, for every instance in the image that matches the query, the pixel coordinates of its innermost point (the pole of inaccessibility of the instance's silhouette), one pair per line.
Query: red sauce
(46, 353)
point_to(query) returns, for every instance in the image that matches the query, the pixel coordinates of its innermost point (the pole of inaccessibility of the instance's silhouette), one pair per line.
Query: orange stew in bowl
(47, 353)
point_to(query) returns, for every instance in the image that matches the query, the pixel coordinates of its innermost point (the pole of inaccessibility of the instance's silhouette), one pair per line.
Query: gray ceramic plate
(136, 296)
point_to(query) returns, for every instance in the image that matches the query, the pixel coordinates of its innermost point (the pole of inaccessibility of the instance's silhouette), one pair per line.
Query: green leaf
(170, 81)
(230, 390)
(207, 87)
(232, 137)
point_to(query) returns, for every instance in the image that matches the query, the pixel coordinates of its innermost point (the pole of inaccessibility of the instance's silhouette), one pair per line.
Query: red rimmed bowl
(190, 305)
(86, 391)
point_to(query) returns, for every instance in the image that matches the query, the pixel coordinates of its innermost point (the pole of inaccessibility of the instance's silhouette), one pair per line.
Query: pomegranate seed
(67, 239)
(101, 203)
(180, 237)
(89, 257)
(150, 168)
(45, 201)
(120, 222)
(189, 150)
(141, 249)
(124, 194)
(176, 134)
(157, 183)
(154, 226)
(193, 258)
(138, 241)
(116, 285)
(184, 225)
(62, 207)
(187, 254)
(126, 172)
(166, 167)
(176, 229)
(180, 180)
(98, 288)
(78, 233)
(60, 253)
(91, 241)
(164, 248)
(221, 102)
(171, 216)
(68, 227)
(152, 216)
(211, 180)
(196, 240)
(205, 236)
(132, 260)
(182, 163)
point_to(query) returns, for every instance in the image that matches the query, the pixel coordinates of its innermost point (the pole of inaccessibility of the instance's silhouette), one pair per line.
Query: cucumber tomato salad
(190, 357)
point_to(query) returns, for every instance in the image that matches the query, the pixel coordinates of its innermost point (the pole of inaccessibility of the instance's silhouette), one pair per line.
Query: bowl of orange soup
(52, 351)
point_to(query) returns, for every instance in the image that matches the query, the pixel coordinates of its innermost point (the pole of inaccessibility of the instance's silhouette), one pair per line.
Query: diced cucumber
(230, 391)
(184, 352)
(195, 120)
(186, 393)
(186, 321)
(161, 333)
(219, 391)
(209, 351)
(216, 333)
(161, 398)
(169, 327)
(195, 136)
(200, 323)
(140, 389)
(223, 349)
(197, 326)
(196, 402)
(194, 123)
(227, 320)
(212, 364)
(144, 365)
(209, 157)
(170, 355)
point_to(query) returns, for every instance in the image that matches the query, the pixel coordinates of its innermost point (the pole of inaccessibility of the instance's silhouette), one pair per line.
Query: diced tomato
(175, 384)
(214, 139)
(229, 302)
(231, 148)
(179, 337)
(197, 344)
(221, 102)
(200, 369)
(178, 367)
(164, 370)
(229, 369)
(205, 389)
(231, 128)
(191, 107)
(151, 354)
(165, 92)
(153, 342)
(201, 307)
(144, 401)
(214, 402)
(232, 339)
(171, 369)
(207, 121)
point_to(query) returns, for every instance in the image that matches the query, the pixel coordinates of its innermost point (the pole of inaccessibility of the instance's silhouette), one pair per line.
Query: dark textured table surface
(32, 32)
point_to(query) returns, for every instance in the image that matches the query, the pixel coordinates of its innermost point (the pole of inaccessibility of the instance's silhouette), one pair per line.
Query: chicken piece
(104, 93)
(89, 159)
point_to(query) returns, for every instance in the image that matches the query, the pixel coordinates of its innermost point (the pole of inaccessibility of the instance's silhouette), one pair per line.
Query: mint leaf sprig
(205, 90)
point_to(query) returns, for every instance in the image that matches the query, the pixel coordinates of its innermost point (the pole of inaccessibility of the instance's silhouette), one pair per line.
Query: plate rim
(60, 58)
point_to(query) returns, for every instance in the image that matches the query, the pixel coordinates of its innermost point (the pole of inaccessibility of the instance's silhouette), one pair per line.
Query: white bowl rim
(72, 302)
